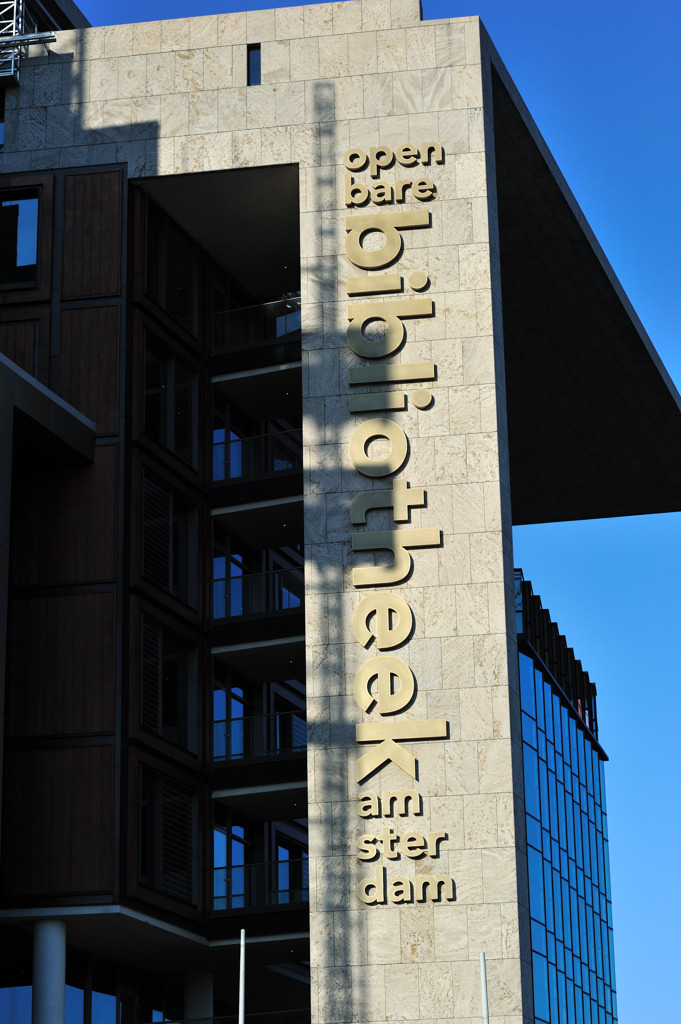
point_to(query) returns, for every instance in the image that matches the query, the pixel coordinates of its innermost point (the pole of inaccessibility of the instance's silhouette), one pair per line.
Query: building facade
(297, 318)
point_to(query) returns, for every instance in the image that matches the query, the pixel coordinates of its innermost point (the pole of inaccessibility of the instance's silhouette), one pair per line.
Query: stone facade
(339, 80)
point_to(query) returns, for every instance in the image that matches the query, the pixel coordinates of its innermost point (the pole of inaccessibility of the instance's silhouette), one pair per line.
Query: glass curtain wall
(567, 853)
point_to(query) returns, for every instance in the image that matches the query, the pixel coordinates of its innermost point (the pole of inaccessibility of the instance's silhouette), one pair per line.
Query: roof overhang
(594, 420)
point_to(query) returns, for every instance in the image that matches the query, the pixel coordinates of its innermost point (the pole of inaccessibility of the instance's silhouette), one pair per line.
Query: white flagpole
(242, 976)
(483, 989)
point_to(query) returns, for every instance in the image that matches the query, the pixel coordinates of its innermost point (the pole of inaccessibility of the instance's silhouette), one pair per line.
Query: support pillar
(198, 997)
(49, 971)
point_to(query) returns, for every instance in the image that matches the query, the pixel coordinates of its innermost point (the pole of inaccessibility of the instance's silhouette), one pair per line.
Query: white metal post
(242, 976)
(483, 989)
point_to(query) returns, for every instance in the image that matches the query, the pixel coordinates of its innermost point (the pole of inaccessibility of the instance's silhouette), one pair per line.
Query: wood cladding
(58, 821)
(61, 667)
(19, 343)
(92, 226)
(64, 523)
(88, 375)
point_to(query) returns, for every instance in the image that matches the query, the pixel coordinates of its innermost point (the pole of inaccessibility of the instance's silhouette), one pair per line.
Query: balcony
(258, 593)
(272, 884)
(264, 455)
(261, 327)
(259, 736)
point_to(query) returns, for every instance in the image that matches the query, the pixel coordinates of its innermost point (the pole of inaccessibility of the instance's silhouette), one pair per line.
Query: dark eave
(594, 421)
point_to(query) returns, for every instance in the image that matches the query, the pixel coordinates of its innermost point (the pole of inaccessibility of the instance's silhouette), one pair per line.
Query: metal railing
(272, 884)
(261, 455)
(258, 593)
(281, 732)
(254, 326)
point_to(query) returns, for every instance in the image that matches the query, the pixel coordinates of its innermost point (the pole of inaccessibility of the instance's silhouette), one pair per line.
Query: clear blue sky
(602, 80)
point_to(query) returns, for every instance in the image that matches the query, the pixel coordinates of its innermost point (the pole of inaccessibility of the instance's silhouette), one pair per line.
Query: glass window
(166, 837)
(541, 988)
(74, 999)
(170, 407)
(168, 540)
(168, 685)
(15, 1004)
(19, 216)
(254, 67)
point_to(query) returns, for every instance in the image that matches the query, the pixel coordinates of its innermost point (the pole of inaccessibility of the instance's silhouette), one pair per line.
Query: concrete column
(198, 996)
(49, 971)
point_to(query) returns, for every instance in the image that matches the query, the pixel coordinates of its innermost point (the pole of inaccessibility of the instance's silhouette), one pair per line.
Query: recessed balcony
(279, 883)
(258, 593)
(256, 335)
(245, 458)
(241, 739)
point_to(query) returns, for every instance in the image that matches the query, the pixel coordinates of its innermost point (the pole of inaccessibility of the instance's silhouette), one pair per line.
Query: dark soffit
(594, 421)
(246, 218)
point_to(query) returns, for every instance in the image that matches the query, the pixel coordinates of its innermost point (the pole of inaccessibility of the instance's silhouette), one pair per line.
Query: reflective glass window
(19, 213)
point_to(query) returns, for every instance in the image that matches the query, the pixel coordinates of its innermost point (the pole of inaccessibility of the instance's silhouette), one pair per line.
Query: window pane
(19, 238)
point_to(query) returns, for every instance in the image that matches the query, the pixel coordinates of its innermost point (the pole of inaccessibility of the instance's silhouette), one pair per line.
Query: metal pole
(483, 989)
(242, 975)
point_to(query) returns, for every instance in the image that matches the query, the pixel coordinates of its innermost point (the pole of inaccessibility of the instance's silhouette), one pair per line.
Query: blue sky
(602, 81)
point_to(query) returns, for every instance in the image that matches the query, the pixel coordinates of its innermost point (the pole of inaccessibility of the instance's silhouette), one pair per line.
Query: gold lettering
(423, 189)
(388, 700)
(434, 888)
(366, 848)
(400, 499)
(372, 890)
(374, 284)
(369, 805)
(381, 401)
(356, 194)
(385, 734)
(407, 155)
(380, 157)
(383, 465)
(414, 845)
(434, 148)
(388, 373)
(400, 890)
(396, 802)
(396, 541)
(355, 159)
(389, 224)
(391, 313)
(392, 621)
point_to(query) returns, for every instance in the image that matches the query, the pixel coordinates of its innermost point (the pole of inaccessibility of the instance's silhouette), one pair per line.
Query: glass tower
(566, 827)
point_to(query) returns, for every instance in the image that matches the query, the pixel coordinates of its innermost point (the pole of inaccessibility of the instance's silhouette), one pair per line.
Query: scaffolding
(16, 35)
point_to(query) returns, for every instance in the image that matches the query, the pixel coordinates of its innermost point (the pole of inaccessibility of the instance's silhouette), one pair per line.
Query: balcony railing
(259, 735)
(273, 884)
(256, 456)
(258, 593)
(256, 326)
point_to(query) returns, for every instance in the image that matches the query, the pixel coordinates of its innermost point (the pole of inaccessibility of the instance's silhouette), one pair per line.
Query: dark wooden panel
(25, 331)
(92, 234)
(64, 523)
(58, 819)
(88, 373)
(18, 343)
(60, 676)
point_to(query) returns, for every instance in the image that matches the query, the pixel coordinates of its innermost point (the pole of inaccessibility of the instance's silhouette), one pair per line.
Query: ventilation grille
(180, 277)
(177, 842)
(184, 413)
(151, 661)
(156, 540)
